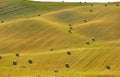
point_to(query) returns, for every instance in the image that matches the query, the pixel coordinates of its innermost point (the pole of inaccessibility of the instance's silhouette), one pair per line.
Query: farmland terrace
(59, 39)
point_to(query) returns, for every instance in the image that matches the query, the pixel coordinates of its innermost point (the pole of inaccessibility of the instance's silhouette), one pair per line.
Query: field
(62, 39)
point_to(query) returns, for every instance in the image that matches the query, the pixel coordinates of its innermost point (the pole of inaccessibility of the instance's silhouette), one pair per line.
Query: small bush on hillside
(56, 70)
(108, 67)
(17, 54)
(68, 52)
(67, 65)
(87, 42)
(30, 61)
(14, 62)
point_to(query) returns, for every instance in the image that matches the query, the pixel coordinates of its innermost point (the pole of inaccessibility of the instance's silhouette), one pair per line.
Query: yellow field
(33, 28)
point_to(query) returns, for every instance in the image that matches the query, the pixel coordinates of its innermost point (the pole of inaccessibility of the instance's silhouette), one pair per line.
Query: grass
(34, 28)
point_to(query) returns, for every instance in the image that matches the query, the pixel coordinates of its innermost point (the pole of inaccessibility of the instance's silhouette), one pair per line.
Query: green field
(35, 28)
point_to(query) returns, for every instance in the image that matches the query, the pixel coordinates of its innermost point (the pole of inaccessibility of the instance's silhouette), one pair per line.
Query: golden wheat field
(59, 39)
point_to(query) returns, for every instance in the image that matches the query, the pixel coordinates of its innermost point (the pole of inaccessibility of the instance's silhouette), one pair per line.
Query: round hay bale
(27, 17)
(0, 57)
(93, 39)
(70, 25)
(91, 10)
(39, 15)
(70, 28)
(85, 21)
(70, 31)
(56, 70)
(2, 21)
(17, 54)
(51, 49)
(30, 61)
(91, 5)
(87, 42)
(68, 52)
(106, 5)
(108, 67)
(117, 4)
(67, 65)
(14, 62)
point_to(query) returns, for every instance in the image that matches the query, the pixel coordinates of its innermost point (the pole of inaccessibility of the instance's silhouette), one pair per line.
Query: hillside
(45, 32)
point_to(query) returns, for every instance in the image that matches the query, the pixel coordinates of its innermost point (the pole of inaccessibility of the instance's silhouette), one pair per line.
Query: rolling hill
(45, 32)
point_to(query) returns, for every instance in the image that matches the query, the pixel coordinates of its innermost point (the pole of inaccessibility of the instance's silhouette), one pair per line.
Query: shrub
(108, 67)
(68, 52)
(87, 42)
(17, 54)
(67, 65)
(0, 57)
(30, 61)
(56, 70)
(14, 62)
